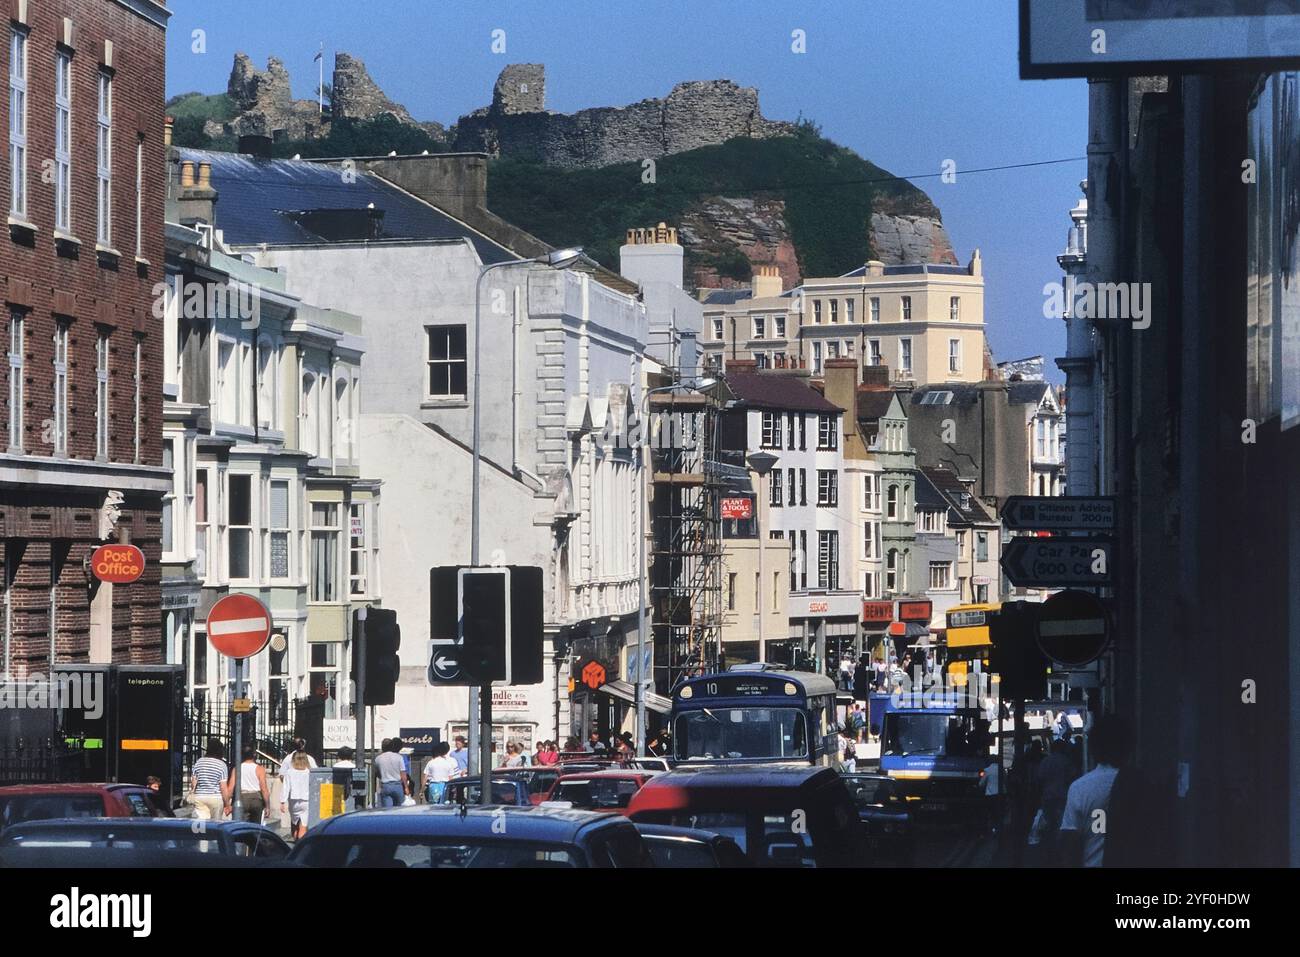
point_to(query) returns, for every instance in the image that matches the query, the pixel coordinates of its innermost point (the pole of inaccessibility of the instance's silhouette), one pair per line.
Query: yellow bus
(969, 637)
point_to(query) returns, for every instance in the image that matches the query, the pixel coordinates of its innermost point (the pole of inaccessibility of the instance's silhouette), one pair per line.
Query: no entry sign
(1073, 628)
(239, 626)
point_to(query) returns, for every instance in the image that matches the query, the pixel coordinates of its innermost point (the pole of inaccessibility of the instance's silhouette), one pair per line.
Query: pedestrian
(881, 673)
(394, 783)
(254, 792)
(1081, 842)
(297, 792)
(540, 754)
(846, 751)
(209, 790)
(345, 758)
(1052, 780)
(153, 783)
(549, 755)
(292, 747)
(514, 758)
(861, 682)
(440, 769)
(594, 744)
(857, 722)
(460, 754)
(846, 673)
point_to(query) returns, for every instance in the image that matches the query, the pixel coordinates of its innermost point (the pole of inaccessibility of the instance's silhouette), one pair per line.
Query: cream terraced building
(925, 321)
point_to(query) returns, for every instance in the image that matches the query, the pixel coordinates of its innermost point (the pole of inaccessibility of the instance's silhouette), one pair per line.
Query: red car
(41, 802)
(600, 790)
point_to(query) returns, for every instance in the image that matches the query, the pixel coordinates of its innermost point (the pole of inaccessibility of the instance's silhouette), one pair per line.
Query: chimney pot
(168, 124)
(205, 176)
(187, 174)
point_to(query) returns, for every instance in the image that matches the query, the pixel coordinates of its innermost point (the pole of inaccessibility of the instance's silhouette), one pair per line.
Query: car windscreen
(46, 807)
(732, 733)
(727, 823)
(677, 852)
(872, 793)
(470, 793)
(149, 839)
(597, 793)
(429, 852)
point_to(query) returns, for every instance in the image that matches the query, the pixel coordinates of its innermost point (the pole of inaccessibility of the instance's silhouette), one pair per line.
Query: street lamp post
(557, 259)
(643, 440)
(762, 463)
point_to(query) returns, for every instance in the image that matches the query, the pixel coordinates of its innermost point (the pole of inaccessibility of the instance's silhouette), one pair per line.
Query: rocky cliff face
(695, 114)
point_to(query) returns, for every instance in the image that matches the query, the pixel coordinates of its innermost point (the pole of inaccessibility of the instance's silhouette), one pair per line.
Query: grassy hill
(828, 193)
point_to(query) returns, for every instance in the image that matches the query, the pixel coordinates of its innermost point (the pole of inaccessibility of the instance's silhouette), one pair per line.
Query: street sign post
(239, 626)
(1073, 628)
(1057, 562)
(1066, 513)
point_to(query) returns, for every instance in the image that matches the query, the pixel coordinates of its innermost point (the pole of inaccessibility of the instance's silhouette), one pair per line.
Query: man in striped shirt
(209, 788)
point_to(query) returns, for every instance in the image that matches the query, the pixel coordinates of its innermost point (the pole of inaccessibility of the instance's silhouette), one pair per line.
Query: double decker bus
(755, 716)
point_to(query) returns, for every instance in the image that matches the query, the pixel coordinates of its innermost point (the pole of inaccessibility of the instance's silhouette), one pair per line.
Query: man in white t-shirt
(1087, 804)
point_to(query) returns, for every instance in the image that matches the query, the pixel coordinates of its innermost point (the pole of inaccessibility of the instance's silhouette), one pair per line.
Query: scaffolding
(685, 535)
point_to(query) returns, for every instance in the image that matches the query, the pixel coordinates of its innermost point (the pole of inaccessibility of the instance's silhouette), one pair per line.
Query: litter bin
(329, 789)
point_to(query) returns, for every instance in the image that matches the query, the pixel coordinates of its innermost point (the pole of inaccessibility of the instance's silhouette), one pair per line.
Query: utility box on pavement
(329, 789)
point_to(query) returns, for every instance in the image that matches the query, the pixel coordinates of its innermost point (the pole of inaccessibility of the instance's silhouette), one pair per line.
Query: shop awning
(625, 691)
(907, 629)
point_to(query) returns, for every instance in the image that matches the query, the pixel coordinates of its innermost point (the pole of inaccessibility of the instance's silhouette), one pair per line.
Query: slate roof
(945, 481)
(873, 403)
(726, 297)
(257, 200)
(767, 390)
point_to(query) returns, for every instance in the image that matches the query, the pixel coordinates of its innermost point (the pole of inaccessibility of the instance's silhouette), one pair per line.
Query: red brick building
(83, 181)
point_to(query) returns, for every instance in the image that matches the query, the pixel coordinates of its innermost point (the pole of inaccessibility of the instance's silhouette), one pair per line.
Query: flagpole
(320, 84)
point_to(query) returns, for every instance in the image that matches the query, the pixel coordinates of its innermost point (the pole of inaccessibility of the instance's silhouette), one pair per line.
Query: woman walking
(254, 792)
(297, 790)
(209, 788)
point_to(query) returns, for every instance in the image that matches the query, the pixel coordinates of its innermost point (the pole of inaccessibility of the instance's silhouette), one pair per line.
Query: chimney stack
(766, 282)
(653, 255)
(875, 378)
(196, 200)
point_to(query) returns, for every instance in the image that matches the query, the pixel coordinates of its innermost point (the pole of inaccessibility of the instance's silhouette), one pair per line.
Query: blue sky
(905, 83)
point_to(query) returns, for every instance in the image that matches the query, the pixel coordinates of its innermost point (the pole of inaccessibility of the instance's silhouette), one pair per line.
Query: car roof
(171, 823)
(68, 787)
(668, 790)
(445, 820)
(618, 774)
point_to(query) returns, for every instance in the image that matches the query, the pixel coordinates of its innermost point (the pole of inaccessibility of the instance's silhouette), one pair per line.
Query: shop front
(823, 629)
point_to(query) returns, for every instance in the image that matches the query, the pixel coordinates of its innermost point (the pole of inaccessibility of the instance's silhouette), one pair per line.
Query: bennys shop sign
(117, 564)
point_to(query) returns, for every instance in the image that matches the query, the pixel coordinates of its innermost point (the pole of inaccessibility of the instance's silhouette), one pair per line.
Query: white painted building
(560, 355)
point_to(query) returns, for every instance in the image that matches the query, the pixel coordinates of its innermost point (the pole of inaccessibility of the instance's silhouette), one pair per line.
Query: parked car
(539, 778)
(39, 802)
(599, 790)
(504, 791)
(441, 835)
(884, 815)
(224, 838)
(690, 847)
(779, 815)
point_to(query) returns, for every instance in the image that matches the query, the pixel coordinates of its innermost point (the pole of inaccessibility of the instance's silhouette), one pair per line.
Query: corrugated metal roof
(259, 201)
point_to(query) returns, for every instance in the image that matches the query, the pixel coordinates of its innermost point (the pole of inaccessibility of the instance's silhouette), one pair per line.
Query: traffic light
(1016, 658)
(382, 641)
(484, 624)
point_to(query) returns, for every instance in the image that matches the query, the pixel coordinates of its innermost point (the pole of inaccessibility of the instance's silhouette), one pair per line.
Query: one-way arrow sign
(444, 665)
(1066, 513)
(1057, 562)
